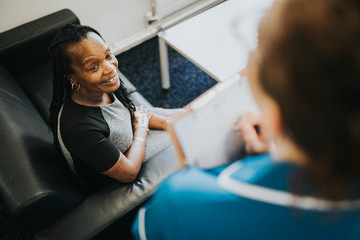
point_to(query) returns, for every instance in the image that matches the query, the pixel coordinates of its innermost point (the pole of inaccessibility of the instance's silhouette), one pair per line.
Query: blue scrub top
(250, 199)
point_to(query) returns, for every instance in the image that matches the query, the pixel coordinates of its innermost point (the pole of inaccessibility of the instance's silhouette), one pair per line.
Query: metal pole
(164, 62)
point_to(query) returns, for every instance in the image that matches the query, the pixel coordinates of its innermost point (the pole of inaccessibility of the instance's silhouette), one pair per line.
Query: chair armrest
(106, 207)
(33, 177)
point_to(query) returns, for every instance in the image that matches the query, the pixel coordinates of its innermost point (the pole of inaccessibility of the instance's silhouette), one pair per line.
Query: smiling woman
(95, 71)
(99, 130)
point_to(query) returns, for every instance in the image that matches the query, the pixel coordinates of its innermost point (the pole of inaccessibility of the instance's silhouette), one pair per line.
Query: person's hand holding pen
(256, 140)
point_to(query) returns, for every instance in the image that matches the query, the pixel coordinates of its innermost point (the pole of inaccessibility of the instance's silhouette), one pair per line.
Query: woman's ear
(70, 78)
(73, 83)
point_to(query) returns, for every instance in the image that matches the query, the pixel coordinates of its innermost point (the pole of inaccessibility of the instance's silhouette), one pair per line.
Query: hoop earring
(75, 87)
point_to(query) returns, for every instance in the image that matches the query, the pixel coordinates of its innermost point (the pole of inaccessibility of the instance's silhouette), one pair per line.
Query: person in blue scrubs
(305, 77)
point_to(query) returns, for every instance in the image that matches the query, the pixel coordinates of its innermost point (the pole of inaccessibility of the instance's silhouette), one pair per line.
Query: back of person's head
(309, 58)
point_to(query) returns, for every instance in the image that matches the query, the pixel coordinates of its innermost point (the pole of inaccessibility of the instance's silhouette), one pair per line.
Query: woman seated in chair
(101, 133)
(305, 77)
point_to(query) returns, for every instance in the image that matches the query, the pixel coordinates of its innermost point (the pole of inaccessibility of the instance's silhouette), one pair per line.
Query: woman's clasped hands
(141, 118)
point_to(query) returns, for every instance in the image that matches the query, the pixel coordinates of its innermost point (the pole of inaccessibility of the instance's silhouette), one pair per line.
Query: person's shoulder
(194, 182)
(72, 109)
(190, 183)
(258, 160)
(189, 176)
(73, 113)
(77, 120)
(194, 178)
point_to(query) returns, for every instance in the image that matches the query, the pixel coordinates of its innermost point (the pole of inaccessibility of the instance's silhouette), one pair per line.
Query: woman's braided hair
(62, 69)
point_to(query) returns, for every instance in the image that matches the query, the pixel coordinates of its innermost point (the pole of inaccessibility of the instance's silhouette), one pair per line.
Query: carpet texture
(141, 66)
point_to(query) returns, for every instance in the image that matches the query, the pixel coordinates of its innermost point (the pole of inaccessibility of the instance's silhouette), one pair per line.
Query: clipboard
(204, 135)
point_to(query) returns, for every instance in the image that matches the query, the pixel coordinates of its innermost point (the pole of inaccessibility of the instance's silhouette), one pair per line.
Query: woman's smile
(95, 66)
(111, 81)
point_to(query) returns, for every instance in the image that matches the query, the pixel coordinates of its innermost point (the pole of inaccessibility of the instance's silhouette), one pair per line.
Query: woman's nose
(109, 67)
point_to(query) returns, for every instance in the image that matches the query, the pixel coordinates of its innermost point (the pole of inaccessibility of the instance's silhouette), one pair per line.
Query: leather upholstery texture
(35, 183)
(26, 46)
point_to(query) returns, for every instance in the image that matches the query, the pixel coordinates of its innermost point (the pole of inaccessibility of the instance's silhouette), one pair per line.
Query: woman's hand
(161, 122)
(129, 164)
(141, 117)
(255, 139)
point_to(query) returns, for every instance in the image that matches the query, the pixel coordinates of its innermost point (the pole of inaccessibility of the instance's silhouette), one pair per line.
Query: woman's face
(95, 67)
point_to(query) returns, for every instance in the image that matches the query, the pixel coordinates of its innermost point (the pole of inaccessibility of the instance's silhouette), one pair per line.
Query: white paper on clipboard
(205, 136)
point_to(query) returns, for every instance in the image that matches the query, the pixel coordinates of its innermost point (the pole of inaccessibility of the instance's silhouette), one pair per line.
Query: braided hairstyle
(62, 69)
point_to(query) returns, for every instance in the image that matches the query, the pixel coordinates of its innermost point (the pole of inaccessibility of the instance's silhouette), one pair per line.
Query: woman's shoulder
(76, 112)
(76, 118)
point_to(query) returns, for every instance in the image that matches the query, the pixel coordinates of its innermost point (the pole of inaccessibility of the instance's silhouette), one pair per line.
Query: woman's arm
(129, 164)
(160, 122)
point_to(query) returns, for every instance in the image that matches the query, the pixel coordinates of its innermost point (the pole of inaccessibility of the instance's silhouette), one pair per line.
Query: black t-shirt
(85, 132)
(95, 136)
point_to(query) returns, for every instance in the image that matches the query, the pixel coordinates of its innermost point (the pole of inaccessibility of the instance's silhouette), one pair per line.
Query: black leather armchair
(35, 182)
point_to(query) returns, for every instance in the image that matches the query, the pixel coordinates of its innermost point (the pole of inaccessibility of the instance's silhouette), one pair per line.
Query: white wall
(166, 7)
(116, 20)
(122, 23)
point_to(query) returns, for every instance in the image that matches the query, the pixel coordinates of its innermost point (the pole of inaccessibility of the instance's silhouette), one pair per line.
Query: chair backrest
(35, 182)
(24, 53)
(25, 47)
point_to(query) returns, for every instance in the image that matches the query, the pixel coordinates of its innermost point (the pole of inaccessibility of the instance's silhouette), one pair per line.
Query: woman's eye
(93, 67)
